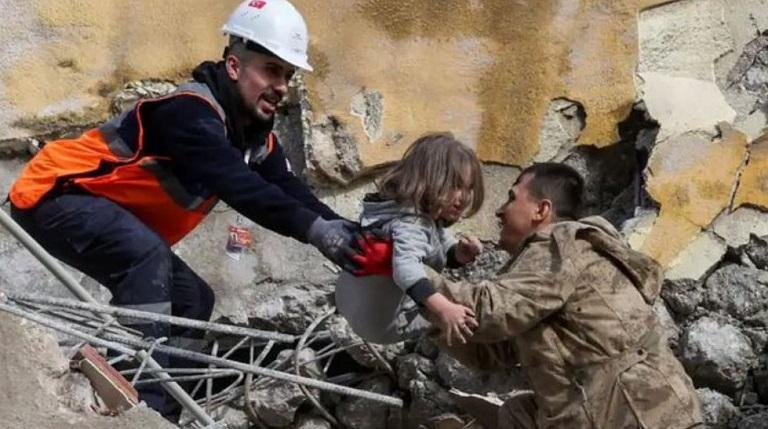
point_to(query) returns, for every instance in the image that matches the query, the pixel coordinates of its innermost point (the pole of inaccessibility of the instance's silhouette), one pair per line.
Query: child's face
(454, 208)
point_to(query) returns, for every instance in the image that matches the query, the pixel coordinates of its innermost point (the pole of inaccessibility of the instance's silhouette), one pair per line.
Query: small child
(437, 182)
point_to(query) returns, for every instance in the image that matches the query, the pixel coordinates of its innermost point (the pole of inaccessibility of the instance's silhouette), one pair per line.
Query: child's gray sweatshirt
(417, 240)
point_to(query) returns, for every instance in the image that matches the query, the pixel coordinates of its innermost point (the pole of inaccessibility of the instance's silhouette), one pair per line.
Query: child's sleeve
(411, 245)
(449, 248)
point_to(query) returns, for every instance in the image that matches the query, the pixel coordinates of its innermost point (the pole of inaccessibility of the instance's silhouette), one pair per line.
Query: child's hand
(467, 249)
(455, 320)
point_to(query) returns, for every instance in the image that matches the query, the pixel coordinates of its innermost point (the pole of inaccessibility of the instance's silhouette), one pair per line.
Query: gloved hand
(335, 240)
(375, 256)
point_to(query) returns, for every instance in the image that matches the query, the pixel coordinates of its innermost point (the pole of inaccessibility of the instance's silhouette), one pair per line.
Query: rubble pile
(720, 335)
(683, 179)
(39, 391)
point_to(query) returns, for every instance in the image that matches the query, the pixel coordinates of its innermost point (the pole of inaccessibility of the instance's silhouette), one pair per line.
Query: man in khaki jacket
(574, 309)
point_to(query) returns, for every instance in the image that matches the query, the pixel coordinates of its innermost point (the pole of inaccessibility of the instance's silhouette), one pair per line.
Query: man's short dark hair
(558, 183)
(244, 49)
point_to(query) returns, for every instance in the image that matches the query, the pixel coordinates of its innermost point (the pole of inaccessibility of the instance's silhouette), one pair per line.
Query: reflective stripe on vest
(142, 184)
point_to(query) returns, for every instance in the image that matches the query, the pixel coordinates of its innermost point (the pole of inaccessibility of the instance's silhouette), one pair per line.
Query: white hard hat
(274, 24)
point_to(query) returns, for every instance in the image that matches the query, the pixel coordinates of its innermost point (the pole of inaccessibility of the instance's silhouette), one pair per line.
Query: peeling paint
(369, 107)
(691, 193)
(77, 48)
(753, 186)
(561, 129)
(485, 70)
(683, 105)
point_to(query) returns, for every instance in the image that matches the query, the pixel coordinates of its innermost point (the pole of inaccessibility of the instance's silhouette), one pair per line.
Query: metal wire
(279, 375)
(179, 395)
(156, 317)
(66, 278)
(297, 366)
(222, 374)
(144, 363)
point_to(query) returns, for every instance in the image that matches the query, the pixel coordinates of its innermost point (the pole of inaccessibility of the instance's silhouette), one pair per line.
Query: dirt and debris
(39, 390)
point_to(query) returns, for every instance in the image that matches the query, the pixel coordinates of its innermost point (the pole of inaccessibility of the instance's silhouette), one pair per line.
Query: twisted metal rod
(156, 317)
(297, 367)
(69, 281)
(203, 358)
(173, 388)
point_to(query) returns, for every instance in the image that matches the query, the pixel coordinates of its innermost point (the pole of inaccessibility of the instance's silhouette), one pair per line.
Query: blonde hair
(432, 168)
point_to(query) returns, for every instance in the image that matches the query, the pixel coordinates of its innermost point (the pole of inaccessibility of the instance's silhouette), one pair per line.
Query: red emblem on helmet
(258, 4)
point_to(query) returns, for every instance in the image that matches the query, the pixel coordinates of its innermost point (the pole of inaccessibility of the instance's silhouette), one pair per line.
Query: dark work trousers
(110, 244)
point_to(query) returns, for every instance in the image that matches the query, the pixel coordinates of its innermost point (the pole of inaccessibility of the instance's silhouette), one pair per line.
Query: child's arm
(411, 244)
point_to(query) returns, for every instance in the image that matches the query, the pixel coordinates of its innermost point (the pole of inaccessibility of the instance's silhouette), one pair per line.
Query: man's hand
(375, 256)
(467, 249)
(334, 239)
(454, 320)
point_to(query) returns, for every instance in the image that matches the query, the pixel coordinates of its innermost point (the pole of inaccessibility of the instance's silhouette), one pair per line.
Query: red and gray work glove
(335, 240)
(375, 256)
(341, 241)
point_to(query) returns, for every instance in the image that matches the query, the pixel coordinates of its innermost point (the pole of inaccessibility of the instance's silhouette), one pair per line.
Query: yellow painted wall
(485, 69)
(63, 56)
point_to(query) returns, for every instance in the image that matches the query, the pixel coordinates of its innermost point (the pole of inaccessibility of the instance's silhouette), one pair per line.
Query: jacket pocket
(654, 400)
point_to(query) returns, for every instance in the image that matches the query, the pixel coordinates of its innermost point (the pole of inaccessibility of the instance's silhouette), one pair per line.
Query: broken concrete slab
(277, 402)
(735, 228)
(368, 105)
(46, 398)
(139, 89)
(753, 185)
(682, 104)
(698, 259)
(332, 155)
(311, 422)
(428, 398)
(679, 44)
(690, 192)
(414, 367)
(683, 296)
(756, 251)
(286, 273)
(454, 374)
(745, 20)
(360, 413)
(636, 229)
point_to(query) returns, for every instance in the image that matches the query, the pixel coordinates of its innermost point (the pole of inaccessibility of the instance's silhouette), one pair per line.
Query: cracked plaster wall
(709, 155)
(58, 59)
(463, 66)
(518, 80)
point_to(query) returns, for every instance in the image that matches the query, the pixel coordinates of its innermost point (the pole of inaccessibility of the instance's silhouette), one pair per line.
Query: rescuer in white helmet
(111, 202)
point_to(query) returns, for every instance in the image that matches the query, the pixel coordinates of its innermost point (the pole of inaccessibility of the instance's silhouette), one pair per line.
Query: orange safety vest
(138, 182)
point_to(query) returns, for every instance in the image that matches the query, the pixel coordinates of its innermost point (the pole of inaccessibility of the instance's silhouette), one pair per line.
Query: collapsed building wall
(660, 104)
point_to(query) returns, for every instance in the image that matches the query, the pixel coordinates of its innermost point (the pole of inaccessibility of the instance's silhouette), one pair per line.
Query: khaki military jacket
(574, 309)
